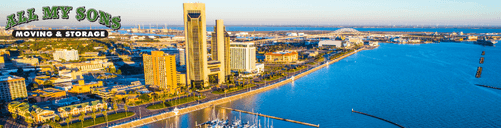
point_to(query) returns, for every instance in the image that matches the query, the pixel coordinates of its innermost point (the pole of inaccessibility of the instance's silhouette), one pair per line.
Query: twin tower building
(198, 68)
(160, 68)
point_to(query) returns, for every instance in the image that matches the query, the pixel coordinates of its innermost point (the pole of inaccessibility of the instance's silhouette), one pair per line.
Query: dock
(377, 118)
(488, 86)
(272, 117)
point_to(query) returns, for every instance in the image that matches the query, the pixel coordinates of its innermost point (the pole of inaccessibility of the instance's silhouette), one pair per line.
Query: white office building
(65, 54)
(243, 56)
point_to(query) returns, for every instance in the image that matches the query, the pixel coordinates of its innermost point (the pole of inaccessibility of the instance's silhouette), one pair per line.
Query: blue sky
(280, 12)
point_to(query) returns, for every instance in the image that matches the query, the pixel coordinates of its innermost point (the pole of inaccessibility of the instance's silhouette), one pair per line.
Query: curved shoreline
(165, 115)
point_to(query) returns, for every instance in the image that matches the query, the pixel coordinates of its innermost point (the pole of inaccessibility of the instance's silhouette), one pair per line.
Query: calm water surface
(242, 28)
(426, 85)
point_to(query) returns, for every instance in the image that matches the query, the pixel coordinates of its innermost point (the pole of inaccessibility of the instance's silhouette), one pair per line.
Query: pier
(377, 118)
(272, 117)
(479, 72)
(481, 60)
(488, 86)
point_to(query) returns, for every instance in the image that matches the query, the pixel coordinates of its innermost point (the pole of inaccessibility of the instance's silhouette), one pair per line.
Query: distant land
(324, 26)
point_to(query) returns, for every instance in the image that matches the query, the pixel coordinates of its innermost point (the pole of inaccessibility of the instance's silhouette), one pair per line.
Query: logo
(92, 15)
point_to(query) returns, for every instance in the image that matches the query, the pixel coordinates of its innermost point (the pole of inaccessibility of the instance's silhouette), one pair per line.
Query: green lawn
(273, 78)
(90, 122)
(175, 102)
(234, 89)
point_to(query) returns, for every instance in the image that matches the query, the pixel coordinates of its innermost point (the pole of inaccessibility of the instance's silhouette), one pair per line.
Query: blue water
(426, 85)
(241, 28)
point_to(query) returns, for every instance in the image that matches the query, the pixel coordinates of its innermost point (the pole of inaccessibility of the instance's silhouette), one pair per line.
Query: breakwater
(479, 72)
(377, 118)
(272, 117)
(161, 116)
(488, 86)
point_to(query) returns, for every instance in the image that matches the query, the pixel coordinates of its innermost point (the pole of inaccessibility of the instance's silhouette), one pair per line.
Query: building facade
(220, 49)
(65, 54)
(243, 56)
(196, 44)
(160, 70)
(281, 57)
(12, 88)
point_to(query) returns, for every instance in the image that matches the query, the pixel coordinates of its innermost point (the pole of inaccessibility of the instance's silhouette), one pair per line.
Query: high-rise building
(160, 70)
(12, 88)
(2, 62)
(66, 54)
(196, 44)
(179, 52)
(243, 56)
(220, 48)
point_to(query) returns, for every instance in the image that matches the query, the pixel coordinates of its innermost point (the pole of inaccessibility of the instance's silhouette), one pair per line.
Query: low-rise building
(281, 57)
(46, 94)
(330, 43)
(25, 62)
(73, 74)
(83, 87)
(65, 54)
(93, 65)
(25, 110)
(85, 107)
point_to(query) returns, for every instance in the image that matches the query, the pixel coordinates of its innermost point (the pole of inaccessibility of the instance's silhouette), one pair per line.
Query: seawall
(189, 109)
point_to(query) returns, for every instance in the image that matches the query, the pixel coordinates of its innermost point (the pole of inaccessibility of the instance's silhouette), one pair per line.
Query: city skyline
(360, 12)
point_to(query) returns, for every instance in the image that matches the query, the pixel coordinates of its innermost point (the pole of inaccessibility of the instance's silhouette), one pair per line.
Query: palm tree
(105, 113)
(82, 115)
(14, 115)
(115, 107)
(94, 115)
(28, 119)
(125, 108)
(68, 119)
(57, 118)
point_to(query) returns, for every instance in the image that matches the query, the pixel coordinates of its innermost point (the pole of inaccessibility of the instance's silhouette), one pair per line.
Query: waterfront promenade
(188, 109)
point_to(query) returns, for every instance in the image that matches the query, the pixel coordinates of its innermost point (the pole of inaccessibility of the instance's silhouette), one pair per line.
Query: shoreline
(165, 115)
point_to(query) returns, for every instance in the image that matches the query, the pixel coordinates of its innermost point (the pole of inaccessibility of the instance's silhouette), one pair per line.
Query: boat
(485, 41)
